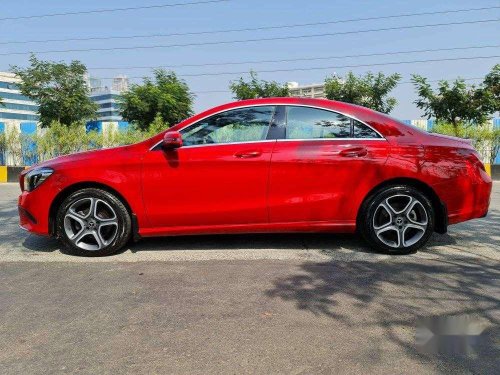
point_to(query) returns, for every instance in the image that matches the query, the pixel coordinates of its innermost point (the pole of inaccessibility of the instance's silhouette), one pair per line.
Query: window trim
(275, 105)
(228, 143)
(331, 139)
(351, 118)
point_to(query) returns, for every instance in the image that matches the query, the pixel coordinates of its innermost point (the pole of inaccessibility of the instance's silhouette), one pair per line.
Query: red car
(261, 166)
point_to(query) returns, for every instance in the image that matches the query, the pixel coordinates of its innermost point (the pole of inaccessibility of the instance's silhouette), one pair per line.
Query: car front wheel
(93, 222)
(397, 219)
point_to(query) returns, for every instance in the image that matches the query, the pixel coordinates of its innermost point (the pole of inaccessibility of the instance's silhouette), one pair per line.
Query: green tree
(256, 88)
(166, 95)
(369, 90)
(457, 103)
(59, 89)
(491, 84)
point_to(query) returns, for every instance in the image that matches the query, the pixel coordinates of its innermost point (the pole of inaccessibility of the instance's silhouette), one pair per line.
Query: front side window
(314, 123)
(237, 125)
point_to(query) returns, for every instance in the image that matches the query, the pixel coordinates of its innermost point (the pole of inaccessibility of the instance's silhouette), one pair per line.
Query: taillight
(476, 159)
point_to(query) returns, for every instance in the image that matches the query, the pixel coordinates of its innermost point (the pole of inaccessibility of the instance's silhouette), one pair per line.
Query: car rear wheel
(397, 219)
(93, 222)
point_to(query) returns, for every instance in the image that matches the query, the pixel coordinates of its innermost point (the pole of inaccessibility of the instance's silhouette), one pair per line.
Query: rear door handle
(354, 152)
(248, 154)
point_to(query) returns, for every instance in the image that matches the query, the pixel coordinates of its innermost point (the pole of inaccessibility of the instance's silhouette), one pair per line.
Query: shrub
(59, 139)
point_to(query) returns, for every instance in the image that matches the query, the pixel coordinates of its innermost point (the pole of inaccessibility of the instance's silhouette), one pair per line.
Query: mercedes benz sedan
(261, 166)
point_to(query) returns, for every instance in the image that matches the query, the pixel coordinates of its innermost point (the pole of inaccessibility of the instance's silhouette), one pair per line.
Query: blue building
(108, 98)
(108, 101)
(15, 105)
(18, 107)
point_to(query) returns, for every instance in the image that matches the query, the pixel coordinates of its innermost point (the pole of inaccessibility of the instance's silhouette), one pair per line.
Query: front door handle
(248, 154)
(354, 152)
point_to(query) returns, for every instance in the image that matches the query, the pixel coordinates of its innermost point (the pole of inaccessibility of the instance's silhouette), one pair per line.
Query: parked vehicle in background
(263, 165)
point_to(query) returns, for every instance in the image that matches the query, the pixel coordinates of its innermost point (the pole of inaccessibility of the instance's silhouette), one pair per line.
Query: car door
(322, 168)
(218, 177)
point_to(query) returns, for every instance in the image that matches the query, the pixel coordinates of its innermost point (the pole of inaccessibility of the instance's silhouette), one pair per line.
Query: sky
(244, 14)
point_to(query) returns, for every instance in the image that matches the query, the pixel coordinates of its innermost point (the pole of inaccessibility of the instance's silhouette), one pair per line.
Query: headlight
(34, 178)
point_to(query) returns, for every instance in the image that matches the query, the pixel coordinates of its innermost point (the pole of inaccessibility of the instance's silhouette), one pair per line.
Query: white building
(120, 83)
(316, 90)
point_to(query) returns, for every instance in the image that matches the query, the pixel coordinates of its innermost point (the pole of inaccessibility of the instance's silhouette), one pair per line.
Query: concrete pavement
(297, 304)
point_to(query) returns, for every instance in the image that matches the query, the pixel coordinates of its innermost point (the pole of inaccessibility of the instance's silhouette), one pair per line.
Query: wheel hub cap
(91, 224)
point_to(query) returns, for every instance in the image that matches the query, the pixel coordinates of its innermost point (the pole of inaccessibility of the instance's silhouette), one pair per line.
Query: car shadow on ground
(279, 241)
(292, 241)
(325, 243)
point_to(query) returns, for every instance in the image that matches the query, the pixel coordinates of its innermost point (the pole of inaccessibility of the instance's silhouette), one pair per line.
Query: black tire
(372, 206)
(117, 227)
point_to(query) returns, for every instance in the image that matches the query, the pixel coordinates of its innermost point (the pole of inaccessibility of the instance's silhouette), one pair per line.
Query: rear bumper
(468, 199)
(477, 210)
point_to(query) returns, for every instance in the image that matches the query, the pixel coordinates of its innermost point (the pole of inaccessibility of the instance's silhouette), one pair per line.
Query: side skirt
(300, 227)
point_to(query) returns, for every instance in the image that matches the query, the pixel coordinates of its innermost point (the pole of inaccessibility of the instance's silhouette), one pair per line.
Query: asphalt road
(297, 304)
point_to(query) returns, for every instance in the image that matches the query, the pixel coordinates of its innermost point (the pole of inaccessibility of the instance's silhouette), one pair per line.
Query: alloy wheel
(400, 221)
(91, 224)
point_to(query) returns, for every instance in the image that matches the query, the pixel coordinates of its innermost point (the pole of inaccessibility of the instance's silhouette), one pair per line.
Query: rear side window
(314, 123)
(311, 123)
(362, 131)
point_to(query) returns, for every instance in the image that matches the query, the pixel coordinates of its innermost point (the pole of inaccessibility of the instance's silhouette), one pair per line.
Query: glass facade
(15, 106)
(20, 107)
(109, 107)
(18, 116)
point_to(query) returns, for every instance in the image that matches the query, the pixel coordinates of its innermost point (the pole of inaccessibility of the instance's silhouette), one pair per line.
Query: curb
(10, 174)
(487, 168)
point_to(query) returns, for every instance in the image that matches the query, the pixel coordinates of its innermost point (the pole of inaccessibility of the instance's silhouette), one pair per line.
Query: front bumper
(34, 208)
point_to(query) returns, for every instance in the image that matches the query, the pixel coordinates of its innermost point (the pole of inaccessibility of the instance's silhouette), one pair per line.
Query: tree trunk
(455, 127)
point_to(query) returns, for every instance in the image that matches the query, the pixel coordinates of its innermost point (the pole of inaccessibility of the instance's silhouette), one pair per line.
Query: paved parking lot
(244, 304)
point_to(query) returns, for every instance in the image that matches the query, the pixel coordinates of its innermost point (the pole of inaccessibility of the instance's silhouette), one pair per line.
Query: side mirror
(172, 140)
